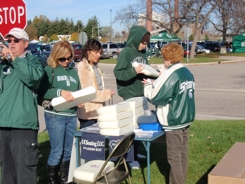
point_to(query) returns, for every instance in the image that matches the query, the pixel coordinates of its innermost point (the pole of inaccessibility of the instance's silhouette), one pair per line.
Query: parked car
(42, 58)
(121, 46)
(45, 50)
(212, 46)
(77, 48)
(33, 48)
(202, 49)
(198, 50)
(110, 49)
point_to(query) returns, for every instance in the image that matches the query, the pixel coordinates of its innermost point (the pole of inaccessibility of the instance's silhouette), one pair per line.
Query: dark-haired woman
(90, 75)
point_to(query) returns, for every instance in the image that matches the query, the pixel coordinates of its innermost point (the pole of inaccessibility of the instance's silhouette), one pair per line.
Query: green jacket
(173, 94)
(128, 82)
(63, 79)
(18, 103)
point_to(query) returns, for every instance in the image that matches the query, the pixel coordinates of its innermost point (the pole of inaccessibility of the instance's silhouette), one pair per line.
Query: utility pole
(111, 26)
(149, 15)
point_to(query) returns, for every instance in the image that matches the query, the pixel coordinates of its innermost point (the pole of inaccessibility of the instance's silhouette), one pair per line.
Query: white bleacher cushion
(148, 70)
(135, 117)
(115, 124)
(118, 131)
(136, 102)
(115, 116)
(113, 108)
(89, 170)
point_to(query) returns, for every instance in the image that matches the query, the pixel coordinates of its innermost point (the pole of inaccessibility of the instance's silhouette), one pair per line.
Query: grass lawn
(208, 143)
(199, 58)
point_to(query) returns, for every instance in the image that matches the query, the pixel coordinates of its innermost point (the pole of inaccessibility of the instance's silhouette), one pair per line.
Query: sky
(77, 10)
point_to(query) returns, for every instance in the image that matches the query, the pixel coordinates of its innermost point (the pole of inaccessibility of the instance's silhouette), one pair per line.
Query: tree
(42, 25)
(74, 37)
(91, 27)
(228, 17)
(197, 13)
(53, 37)
(31, 31)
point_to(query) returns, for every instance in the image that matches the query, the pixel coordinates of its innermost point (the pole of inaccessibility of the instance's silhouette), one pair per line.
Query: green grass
(199, 58)
(208, 143)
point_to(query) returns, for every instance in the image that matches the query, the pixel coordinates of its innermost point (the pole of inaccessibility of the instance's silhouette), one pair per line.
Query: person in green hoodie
(128, 78)
(20, 75)
(60, 79)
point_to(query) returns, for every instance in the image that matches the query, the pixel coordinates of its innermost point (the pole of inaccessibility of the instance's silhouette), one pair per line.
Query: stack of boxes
(119, 119)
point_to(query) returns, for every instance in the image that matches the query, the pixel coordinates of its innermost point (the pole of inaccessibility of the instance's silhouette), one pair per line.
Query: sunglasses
(64, 59)
(14, 40)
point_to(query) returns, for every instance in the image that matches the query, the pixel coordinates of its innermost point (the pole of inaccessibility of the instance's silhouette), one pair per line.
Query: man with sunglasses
(20, 75)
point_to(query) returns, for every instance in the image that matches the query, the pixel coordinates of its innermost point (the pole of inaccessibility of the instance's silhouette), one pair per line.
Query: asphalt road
(219, 94)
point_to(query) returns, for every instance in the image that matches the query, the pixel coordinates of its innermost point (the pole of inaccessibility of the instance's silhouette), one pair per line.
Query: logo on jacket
(140, 60)
(186, 85)
(68, 79)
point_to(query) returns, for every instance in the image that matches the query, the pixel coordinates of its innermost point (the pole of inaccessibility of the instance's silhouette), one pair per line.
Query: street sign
(12, 14)
(83, 38)
(187, 32)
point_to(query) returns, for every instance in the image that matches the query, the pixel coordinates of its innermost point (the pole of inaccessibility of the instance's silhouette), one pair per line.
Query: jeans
(85, 123)
(19, 155)
(177, 154)
(61, 130)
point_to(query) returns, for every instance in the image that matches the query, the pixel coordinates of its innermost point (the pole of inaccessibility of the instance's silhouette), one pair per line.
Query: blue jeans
(61, 130)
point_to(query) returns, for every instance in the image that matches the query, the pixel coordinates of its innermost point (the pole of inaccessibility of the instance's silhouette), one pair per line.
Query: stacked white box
(119, 119)
(115, 120)
(138, 105)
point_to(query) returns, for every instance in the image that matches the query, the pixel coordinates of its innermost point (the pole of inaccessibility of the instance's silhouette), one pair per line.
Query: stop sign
(12, 14)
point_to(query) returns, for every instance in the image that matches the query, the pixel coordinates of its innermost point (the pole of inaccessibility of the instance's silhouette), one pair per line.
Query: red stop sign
(12, 14)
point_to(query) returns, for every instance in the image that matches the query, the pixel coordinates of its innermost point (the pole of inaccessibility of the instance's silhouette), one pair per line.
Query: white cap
(18, 33)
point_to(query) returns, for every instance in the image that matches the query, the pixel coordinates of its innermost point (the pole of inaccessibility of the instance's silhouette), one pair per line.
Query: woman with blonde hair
(60, 80)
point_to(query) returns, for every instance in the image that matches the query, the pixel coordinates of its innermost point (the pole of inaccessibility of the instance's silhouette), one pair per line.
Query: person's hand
(139, 69)
(146, 81)
(80, 105)
(67, 95)
(6, 52)
(112, 92)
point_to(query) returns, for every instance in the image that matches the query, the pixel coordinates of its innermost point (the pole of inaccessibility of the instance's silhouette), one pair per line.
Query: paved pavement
(220, 89)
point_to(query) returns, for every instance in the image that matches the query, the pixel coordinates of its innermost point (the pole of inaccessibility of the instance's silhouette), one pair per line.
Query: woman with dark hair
(90, 75)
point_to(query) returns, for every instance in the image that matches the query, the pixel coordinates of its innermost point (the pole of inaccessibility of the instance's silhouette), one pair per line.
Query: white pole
(187, 41)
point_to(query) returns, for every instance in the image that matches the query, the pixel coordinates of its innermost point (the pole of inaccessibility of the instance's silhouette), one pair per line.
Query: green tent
(164, 37)
(238, 43)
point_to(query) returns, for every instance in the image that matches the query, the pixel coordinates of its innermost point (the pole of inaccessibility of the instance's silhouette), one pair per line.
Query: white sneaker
(134, 165)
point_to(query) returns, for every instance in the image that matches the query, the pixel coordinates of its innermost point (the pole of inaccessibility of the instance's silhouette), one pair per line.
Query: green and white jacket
(173, 94)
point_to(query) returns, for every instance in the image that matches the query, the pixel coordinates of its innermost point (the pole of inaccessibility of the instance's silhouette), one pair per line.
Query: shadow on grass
(204, 178)
(43, 151)
(159, 157)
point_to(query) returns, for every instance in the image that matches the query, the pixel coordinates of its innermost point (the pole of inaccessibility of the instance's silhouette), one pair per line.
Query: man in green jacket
(20, 74)
(129, 78)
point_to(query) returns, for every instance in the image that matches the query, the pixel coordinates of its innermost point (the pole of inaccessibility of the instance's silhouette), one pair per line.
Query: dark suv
(212, 46)
(77, 48)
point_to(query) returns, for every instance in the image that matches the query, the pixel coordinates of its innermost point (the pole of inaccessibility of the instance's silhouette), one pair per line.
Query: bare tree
(130, 14)
(197, 12)
(228, 17)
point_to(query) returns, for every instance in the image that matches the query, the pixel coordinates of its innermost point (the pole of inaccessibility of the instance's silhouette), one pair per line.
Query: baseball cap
(18, 33)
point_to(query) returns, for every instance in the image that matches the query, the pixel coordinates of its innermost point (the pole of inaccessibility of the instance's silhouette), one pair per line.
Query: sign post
(12, 14)
(83, 38)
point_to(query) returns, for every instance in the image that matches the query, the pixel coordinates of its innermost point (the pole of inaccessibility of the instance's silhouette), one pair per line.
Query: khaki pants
(177, 155)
